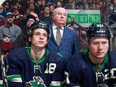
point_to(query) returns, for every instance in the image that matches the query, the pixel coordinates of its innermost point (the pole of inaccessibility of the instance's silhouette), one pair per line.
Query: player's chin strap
(3, 68)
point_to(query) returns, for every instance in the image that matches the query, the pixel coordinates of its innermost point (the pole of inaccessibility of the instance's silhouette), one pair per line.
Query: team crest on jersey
(36, 82)
(37, 67)
(99, 77)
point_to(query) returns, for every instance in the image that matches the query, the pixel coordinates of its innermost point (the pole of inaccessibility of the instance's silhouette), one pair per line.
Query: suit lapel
(64, 35)
(52, 36)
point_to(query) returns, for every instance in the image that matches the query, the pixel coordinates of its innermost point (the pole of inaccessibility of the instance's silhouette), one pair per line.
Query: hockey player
(35, 66)
(96, 66)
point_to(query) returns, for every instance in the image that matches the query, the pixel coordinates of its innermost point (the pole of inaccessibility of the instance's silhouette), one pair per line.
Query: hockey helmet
(98, 30)
(38, 24)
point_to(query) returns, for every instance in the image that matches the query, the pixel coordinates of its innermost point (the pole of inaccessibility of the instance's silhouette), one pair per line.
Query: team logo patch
(36, 82)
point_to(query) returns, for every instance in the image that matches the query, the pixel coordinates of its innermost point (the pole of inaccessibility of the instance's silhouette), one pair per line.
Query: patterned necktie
(58, 36)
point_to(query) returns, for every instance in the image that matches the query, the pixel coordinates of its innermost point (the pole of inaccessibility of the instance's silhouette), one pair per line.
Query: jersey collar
(41, 60)
(96, 67)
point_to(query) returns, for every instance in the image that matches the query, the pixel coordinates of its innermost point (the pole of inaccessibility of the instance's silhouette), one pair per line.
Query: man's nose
(100, 46)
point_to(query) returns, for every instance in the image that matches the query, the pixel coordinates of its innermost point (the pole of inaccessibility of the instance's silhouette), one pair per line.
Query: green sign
(71, 17)
(84, 17)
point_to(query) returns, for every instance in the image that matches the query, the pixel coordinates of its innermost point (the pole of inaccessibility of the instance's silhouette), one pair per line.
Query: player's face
(39, 38)
(98, 47)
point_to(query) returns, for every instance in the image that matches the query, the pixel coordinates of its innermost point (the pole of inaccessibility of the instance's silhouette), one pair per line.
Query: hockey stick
(4, 77)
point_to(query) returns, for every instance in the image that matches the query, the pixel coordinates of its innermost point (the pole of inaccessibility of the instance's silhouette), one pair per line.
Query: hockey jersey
(80, 72)
(23, 71)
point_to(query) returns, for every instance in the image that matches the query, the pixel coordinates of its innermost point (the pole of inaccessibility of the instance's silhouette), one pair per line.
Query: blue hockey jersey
(80, 72)
(23, 71)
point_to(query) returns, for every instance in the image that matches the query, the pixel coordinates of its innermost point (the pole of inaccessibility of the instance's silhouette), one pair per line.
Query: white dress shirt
(55, 30)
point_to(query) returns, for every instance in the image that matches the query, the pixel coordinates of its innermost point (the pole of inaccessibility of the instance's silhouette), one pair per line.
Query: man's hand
(6, 39)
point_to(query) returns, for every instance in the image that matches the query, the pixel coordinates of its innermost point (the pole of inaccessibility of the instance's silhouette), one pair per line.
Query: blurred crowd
(26, 12)
(21, 8)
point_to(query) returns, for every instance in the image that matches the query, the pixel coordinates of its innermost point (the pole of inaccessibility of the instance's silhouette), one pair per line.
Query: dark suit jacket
(69, 43)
